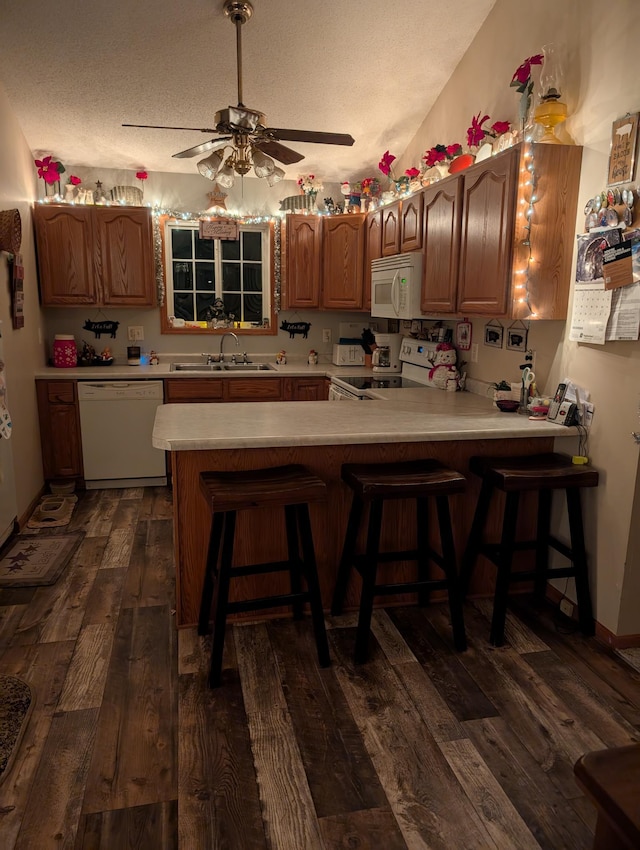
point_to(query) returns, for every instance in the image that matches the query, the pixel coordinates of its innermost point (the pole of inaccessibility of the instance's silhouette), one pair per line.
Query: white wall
(587, 33)
(22, 349)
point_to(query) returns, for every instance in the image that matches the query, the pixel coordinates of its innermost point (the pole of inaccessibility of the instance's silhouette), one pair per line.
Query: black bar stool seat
(372, 485)
(292, 487)
(541, 473)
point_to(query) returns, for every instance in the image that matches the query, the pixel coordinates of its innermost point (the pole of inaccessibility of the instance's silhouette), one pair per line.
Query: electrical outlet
(326, 335)
(135, 333)
(474, 352)
(566, 606)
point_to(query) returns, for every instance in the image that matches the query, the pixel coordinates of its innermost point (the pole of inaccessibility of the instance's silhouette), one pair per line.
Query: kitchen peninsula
(399, 425)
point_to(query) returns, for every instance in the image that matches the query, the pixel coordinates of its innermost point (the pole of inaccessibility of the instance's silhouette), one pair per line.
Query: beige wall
(588, 33)
(22, 349)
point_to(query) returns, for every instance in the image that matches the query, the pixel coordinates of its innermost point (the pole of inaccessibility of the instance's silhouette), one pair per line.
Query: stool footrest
(410, 587)
(386, 557)
(255, 569)
(266, 602)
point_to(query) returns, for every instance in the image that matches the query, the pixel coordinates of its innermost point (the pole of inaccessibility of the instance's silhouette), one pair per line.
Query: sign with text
(624, 135)
(219, 228)
(620, 264)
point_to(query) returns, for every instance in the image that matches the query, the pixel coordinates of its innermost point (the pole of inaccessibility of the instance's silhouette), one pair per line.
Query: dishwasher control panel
(104, 390)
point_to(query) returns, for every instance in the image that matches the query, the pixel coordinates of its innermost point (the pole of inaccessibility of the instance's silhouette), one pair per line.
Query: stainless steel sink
(217, 367)
(195, 367)
(246, 367)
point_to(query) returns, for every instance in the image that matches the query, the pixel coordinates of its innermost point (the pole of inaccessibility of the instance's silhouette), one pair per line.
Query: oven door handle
(395, 300)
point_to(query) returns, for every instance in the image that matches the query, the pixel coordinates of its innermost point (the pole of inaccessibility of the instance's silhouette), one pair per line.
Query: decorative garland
(157, 212)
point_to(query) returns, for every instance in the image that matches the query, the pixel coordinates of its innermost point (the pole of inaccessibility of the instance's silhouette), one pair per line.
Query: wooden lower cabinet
(59, 418)
(181, 390)
(306, 389)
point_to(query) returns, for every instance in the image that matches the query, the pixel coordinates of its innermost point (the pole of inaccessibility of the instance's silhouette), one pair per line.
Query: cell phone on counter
(554, 407)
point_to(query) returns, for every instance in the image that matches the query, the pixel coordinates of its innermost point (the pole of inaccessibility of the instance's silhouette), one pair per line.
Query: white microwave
(395, 286)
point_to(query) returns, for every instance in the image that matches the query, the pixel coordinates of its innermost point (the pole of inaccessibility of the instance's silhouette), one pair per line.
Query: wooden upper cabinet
(391, 229)
(490, 190)
(498, 238)
(442, 216)
(411, 226)
(124, 256)
(64, 240)
(95, 255)
(372, 251)
(342, 261)
(302, 242)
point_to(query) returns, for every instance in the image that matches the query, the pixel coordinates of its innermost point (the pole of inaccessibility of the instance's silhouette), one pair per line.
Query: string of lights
(528, 186)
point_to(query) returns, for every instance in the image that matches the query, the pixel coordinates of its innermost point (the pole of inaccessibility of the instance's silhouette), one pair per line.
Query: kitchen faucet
(222, 338)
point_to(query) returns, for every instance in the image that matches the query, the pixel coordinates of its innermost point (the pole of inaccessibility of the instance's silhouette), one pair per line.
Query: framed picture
(624, 136)
(517, 339)
(493, 335)
(463, 335)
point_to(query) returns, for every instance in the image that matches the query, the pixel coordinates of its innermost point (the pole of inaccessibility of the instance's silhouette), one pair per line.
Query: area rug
(33, 559)
(52, 511)
(16, 703)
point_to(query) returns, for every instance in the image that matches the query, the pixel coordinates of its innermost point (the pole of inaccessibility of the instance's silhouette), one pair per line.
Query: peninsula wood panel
(260, 534)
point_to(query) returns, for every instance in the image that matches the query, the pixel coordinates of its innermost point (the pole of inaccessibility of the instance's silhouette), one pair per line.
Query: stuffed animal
(444, 374)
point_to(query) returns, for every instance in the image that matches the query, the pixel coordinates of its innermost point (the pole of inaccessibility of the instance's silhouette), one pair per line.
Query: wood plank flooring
(421, 747)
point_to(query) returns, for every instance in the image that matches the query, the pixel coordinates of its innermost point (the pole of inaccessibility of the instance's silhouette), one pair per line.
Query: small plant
(501, 386)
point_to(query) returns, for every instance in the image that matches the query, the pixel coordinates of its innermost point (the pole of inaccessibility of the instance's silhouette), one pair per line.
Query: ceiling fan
(245, 130)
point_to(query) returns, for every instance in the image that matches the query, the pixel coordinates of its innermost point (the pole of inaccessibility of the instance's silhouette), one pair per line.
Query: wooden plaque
(219, 228)
(624, 135)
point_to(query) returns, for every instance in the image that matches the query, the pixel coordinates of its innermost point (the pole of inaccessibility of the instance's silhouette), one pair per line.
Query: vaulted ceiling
(75, 71)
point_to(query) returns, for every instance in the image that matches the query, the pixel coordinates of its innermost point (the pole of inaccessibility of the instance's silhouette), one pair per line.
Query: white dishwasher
(116, 419)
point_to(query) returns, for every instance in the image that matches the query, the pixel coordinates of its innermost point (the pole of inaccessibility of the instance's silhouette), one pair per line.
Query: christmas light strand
(523, 286)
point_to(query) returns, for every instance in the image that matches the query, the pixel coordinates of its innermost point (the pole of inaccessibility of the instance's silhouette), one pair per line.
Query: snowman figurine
(444, 374)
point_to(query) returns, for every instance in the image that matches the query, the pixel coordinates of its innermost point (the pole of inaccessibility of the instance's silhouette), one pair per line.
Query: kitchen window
(225, 283)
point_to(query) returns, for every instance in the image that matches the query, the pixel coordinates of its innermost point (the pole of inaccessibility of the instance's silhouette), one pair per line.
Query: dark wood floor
(419, 748)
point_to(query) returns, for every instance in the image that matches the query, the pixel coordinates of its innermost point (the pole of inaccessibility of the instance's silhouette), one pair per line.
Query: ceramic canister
(65, 354)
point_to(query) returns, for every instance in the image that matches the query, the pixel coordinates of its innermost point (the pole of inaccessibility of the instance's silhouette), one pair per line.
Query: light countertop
(415, 415)
(294, 369)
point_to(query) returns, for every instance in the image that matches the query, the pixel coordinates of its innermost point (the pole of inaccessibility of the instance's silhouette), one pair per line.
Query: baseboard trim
(602, 632)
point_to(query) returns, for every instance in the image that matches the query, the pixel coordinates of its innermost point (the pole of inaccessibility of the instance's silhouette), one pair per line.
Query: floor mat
(16, 702)
(34, 560)
(52, 511)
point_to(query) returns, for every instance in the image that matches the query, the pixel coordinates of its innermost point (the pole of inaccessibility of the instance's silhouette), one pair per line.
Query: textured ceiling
(74, 71)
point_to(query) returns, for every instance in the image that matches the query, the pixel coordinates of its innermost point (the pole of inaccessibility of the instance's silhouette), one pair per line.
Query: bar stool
(372, 485)
(542, 473)
(292, 487)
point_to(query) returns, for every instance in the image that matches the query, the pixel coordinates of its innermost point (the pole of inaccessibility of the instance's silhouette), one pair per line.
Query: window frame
(268, 264)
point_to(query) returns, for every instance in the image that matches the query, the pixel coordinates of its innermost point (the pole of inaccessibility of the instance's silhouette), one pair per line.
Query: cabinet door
(192, 389)
(372, 251)
(59, 429)
(442, 216)
(411, 223)
(490, 190)
(253, 389)
(124, 256)
(391, 230)
(303, 247)
(64, 240)
(306, 389)
(342, 261)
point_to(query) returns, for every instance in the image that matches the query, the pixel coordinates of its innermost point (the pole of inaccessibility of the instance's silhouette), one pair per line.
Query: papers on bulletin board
(591, 310)
(606, 302)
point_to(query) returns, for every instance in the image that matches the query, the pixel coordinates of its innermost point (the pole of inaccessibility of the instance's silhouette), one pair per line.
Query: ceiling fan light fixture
(263, 165)
(226, 176)
(210, 165)
(275, 177)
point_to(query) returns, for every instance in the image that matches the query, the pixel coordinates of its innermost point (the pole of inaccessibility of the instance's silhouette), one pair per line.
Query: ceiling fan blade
(211, 145)
(278, 151)
(311, 136)
(162, 127)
